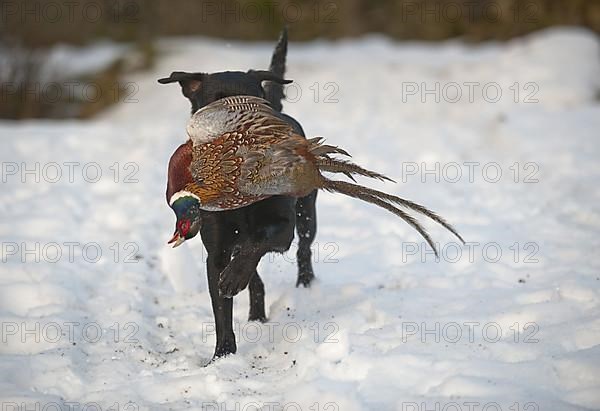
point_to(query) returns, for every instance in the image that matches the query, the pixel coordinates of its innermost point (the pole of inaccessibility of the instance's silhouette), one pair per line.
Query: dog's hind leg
(257, 299)
(306, 227)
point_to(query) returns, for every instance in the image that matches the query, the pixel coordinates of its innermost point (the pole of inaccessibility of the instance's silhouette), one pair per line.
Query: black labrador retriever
(236, 240)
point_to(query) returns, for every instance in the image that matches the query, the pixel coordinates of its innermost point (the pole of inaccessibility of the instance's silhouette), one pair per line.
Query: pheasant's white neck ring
(182, 193)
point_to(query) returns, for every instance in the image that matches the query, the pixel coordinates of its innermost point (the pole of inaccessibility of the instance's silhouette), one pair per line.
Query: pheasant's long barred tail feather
(323, 150)
(417, 207)
(388, 202)
(332, 165)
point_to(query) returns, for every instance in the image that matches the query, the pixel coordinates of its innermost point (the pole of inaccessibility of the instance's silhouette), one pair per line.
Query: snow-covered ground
(386, 327)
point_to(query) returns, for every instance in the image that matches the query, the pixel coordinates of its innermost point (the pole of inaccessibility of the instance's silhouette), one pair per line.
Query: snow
(386, 326)
(72, 62)
(64, 62)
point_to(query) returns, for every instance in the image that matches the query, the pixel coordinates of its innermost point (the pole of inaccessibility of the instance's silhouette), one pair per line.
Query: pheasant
(241, 151)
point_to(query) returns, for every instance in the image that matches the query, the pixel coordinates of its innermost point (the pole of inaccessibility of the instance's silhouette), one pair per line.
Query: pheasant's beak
(177, 240)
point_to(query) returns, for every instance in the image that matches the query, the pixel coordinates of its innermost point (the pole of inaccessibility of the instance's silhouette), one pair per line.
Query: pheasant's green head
(187, 210)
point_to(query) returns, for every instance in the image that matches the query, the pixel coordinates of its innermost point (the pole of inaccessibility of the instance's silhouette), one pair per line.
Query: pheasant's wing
(216, 168)
(277, 165)
(276, 159)
(256, 154)
(234, 114)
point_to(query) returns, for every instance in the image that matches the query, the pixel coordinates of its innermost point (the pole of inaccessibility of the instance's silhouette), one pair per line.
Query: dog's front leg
(218, 242)
(241, 269)
(270, 227)
(241, 272)
(222, 306)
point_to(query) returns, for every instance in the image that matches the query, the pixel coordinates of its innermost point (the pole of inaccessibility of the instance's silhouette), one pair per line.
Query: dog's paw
(260, 317)
(305, 279)
(232, 281)
(227, 348)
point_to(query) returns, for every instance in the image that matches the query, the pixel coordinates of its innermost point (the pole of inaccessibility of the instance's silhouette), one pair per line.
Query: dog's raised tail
(390, 203)
(274, 91)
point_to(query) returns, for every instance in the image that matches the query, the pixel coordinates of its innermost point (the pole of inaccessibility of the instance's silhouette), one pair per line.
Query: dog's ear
(273, 81)
(265, 75)
(190, 82)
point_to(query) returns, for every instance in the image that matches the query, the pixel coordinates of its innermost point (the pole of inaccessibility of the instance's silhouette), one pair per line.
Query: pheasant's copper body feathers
(241, 151)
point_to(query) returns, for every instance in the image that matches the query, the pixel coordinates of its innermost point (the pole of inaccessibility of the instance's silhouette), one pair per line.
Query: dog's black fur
(236, 240)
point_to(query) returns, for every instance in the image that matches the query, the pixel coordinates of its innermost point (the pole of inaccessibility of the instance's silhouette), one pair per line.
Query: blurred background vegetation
(30, 31)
